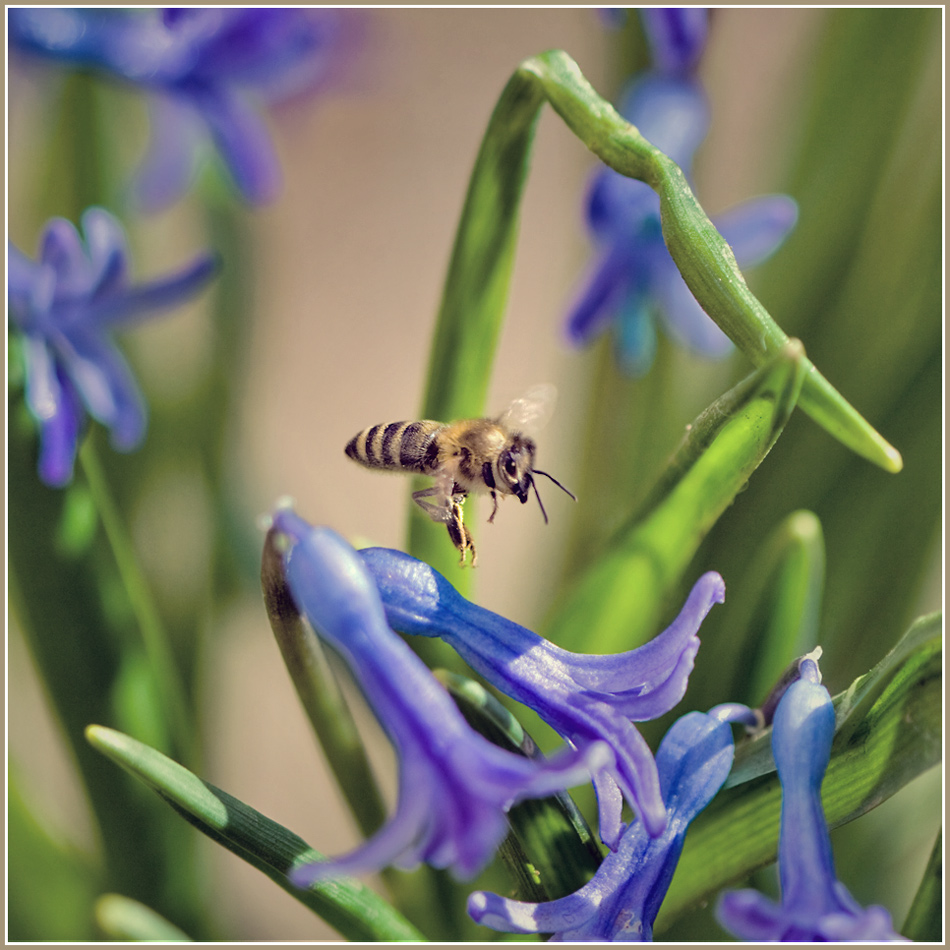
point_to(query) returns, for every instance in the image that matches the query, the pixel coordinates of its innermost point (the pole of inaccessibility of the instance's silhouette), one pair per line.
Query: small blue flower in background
(586, 699)
(66, 305)
(815, 906)
(454, 785)
(633, 280)
(621, 900)
(211, 70)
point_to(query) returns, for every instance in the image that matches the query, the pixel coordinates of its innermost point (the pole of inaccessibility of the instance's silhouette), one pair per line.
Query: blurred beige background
(349, 270)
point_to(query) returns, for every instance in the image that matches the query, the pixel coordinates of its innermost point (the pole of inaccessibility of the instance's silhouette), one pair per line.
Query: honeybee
(472, 455)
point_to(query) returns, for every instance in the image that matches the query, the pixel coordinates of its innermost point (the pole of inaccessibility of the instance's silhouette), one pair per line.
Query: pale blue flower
(814, 906)
(66, 305)
(587, 699)
(455, 786)
(209, 71)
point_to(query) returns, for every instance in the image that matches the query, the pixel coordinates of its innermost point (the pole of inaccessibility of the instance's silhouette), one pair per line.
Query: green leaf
(888, 732)
(925, 918)
(776, 620)
(121, 918)
(346, 904)
(550, 849)
(618, 602)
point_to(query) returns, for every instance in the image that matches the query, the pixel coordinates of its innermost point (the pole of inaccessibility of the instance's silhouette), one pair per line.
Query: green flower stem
(618, 602)
(324, 704)
(352, 908)
(175, 706)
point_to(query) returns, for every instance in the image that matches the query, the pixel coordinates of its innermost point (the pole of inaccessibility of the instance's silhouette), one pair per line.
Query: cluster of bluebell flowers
(585, 698)
(208, 72)
(455, 787)
(66, 306)
(633, 281)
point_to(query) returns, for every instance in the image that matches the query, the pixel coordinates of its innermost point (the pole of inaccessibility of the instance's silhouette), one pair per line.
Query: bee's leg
(460, 535)
(494, 506)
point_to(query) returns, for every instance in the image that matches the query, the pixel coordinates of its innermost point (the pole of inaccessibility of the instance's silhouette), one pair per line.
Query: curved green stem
(701, 253)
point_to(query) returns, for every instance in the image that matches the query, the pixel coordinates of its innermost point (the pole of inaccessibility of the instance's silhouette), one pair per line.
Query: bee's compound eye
(510, 468)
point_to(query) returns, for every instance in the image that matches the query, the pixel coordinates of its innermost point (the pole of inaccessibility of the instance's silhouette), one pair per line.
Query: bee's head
(514, 467)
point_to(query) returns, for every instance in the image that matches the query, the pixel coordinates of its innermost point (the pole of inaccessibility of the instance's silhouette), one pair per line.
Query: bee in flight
(472, 455)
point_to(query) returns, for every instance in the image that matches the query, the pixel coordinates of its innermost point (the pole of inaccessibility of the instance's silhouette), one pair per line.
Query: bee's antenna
(537, 495)
(538, 471)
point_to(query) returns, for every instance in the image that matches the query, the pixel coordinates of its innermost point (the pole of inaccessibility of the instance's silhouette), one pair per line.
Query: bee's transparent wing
(532, 411)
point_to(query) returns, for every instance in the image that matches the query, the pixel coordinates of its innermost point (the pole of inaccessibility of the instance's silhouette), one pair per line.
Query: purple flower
(454, 785)
(622, 899)
(587, 699)
(66, 305)
(815, 906)
(212, 69)
(633, 280)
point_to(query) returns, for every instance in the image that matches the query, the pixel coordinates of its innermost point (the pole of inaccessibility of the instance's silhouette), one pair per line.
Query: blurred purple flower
(815, 906)
(587, 699)
(677, 37)
(633, 280)
(455, 786)
(212, 68)
(621, 901)
(66, 305)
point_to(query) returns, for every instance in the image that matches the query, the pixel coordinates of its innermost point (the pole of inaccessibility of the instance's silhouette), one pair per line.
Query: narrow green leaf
(320, 694)
(889, 728)
(778, 615)
(550, 849)
(925, 917)
(617, 603)
(121, 918)
(347, 905)
(475, 295)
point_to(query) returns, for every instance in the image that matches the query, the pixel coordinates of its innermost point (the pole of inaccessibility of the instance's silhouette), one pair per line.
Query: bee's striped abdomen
(398, 446)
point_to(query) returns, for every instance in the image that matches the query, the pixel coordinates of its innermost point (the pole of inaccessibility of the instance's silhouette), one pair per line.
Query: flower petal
(243, 140)
(604, 289)
(108, 252)
(677, 36)
(107, 386)
(685, 321)
(757, 228)
(168, 168)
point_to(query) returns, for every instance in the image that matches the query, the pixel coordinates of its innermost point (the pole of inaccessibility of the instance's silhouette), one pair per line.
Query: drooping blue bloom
(587, 699)
(633, 282)
(66, 305)
(454, 785)
(211, 70)
(621, 900)
(815, 906)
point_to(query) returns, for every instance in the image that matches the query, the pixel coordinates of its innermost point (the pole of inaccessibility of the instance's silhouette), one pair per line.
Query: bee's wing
(532, 411)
